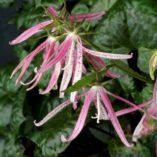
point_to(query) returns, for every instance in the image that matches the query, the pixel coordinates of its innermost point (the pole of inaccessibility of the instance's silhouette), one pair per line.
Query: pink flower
(105, 111)
(37, 28)
(49, 47)
(30, 32)
(145, 126)
(66, 56)
(70, 54)
(78, 17)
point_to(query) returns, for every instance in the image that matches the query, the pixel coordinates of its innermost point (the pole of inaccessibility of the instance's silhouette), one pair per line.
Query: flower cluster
(66, 56)
(63, 52)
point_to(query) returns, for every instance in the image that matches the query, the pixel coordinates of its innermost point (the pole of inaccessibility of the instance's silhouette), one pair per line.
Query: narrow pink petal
(52, 11)
(113, 117)
(49, 49)
(82, 117)
(68, 69)
(29, 82)
(107, 55)
(38, 78)
(132, 109)
(27, 60)
(30, 32)
(60, 55)
(54, 78)
(78, 69)
(55, 111)
(124, 100)
(98, 64)
(87, 17)
(138, 130)
(51, 114)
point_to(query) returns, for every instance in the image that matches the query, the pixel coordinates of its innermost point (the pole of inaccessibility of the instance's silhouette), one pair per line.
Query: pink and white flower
(145, 126)
(66, 56)
(105, 111)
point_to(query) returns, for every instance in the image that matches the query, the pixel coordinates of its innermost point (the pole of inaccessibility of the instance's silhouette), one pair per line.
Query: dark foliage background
(129, 26)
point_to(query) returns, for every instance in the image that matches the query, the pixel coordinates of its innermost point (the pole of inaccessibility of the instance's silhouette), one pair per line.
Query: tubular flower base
(145, 125)
(105, 111)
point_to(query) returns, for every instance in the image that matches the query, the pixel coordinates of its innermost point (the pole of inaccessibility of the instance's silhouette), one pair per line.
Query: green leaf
(128, 25)
(103, 5)
(80, 8)
(88, 79)
(144, 56)
(11, 115)
(5, 3)
(117, 150)
(121, 65)
(47, 137)
(141, 22)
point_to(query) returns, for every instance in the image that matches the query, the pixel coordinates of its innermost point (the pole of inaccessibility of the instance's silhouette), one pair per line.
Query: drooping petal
(78, 70)
(124, 100)
(98, 64)
(132, 109)
(82, 117)
(54, 78)
(107, 55)
(30, 32)
(37, 80)
(113, 117)
(63, 49)
(27, 60)
(101, 111)
(49, 51)
(68, 69)
(86, 17)
(52, 11)
(55, 111)
(139, 129)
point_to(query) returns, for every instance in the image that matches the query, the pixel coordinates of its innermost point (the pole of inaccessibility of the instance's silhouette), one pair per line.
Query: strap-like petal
(107, 55)
(82, 117)
(30, 32)
(86, 17)
(77, 70)
(112, 116)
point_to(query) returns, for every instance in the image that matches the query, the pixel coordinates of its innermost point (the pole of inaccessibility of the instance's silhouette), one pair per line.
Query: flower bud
(153, 64)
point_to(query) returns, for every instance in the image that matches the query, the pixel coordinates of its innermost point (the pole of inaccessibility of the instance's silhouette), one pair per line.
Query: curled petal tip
(28, 89)
(131, 55)
(17, 82)
(11, 76)
(63, 139)
(35, 123)
(22, 83)
(11, 43)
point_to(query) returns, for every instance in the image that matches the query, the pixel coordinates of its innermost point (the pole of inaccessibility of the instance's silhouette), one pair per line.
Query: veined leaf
(121, 65)
(87, 80)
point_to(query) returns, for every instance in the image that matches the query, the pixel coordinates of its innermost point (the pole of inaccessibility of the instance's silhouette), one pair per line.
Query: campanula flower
(99, 96)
